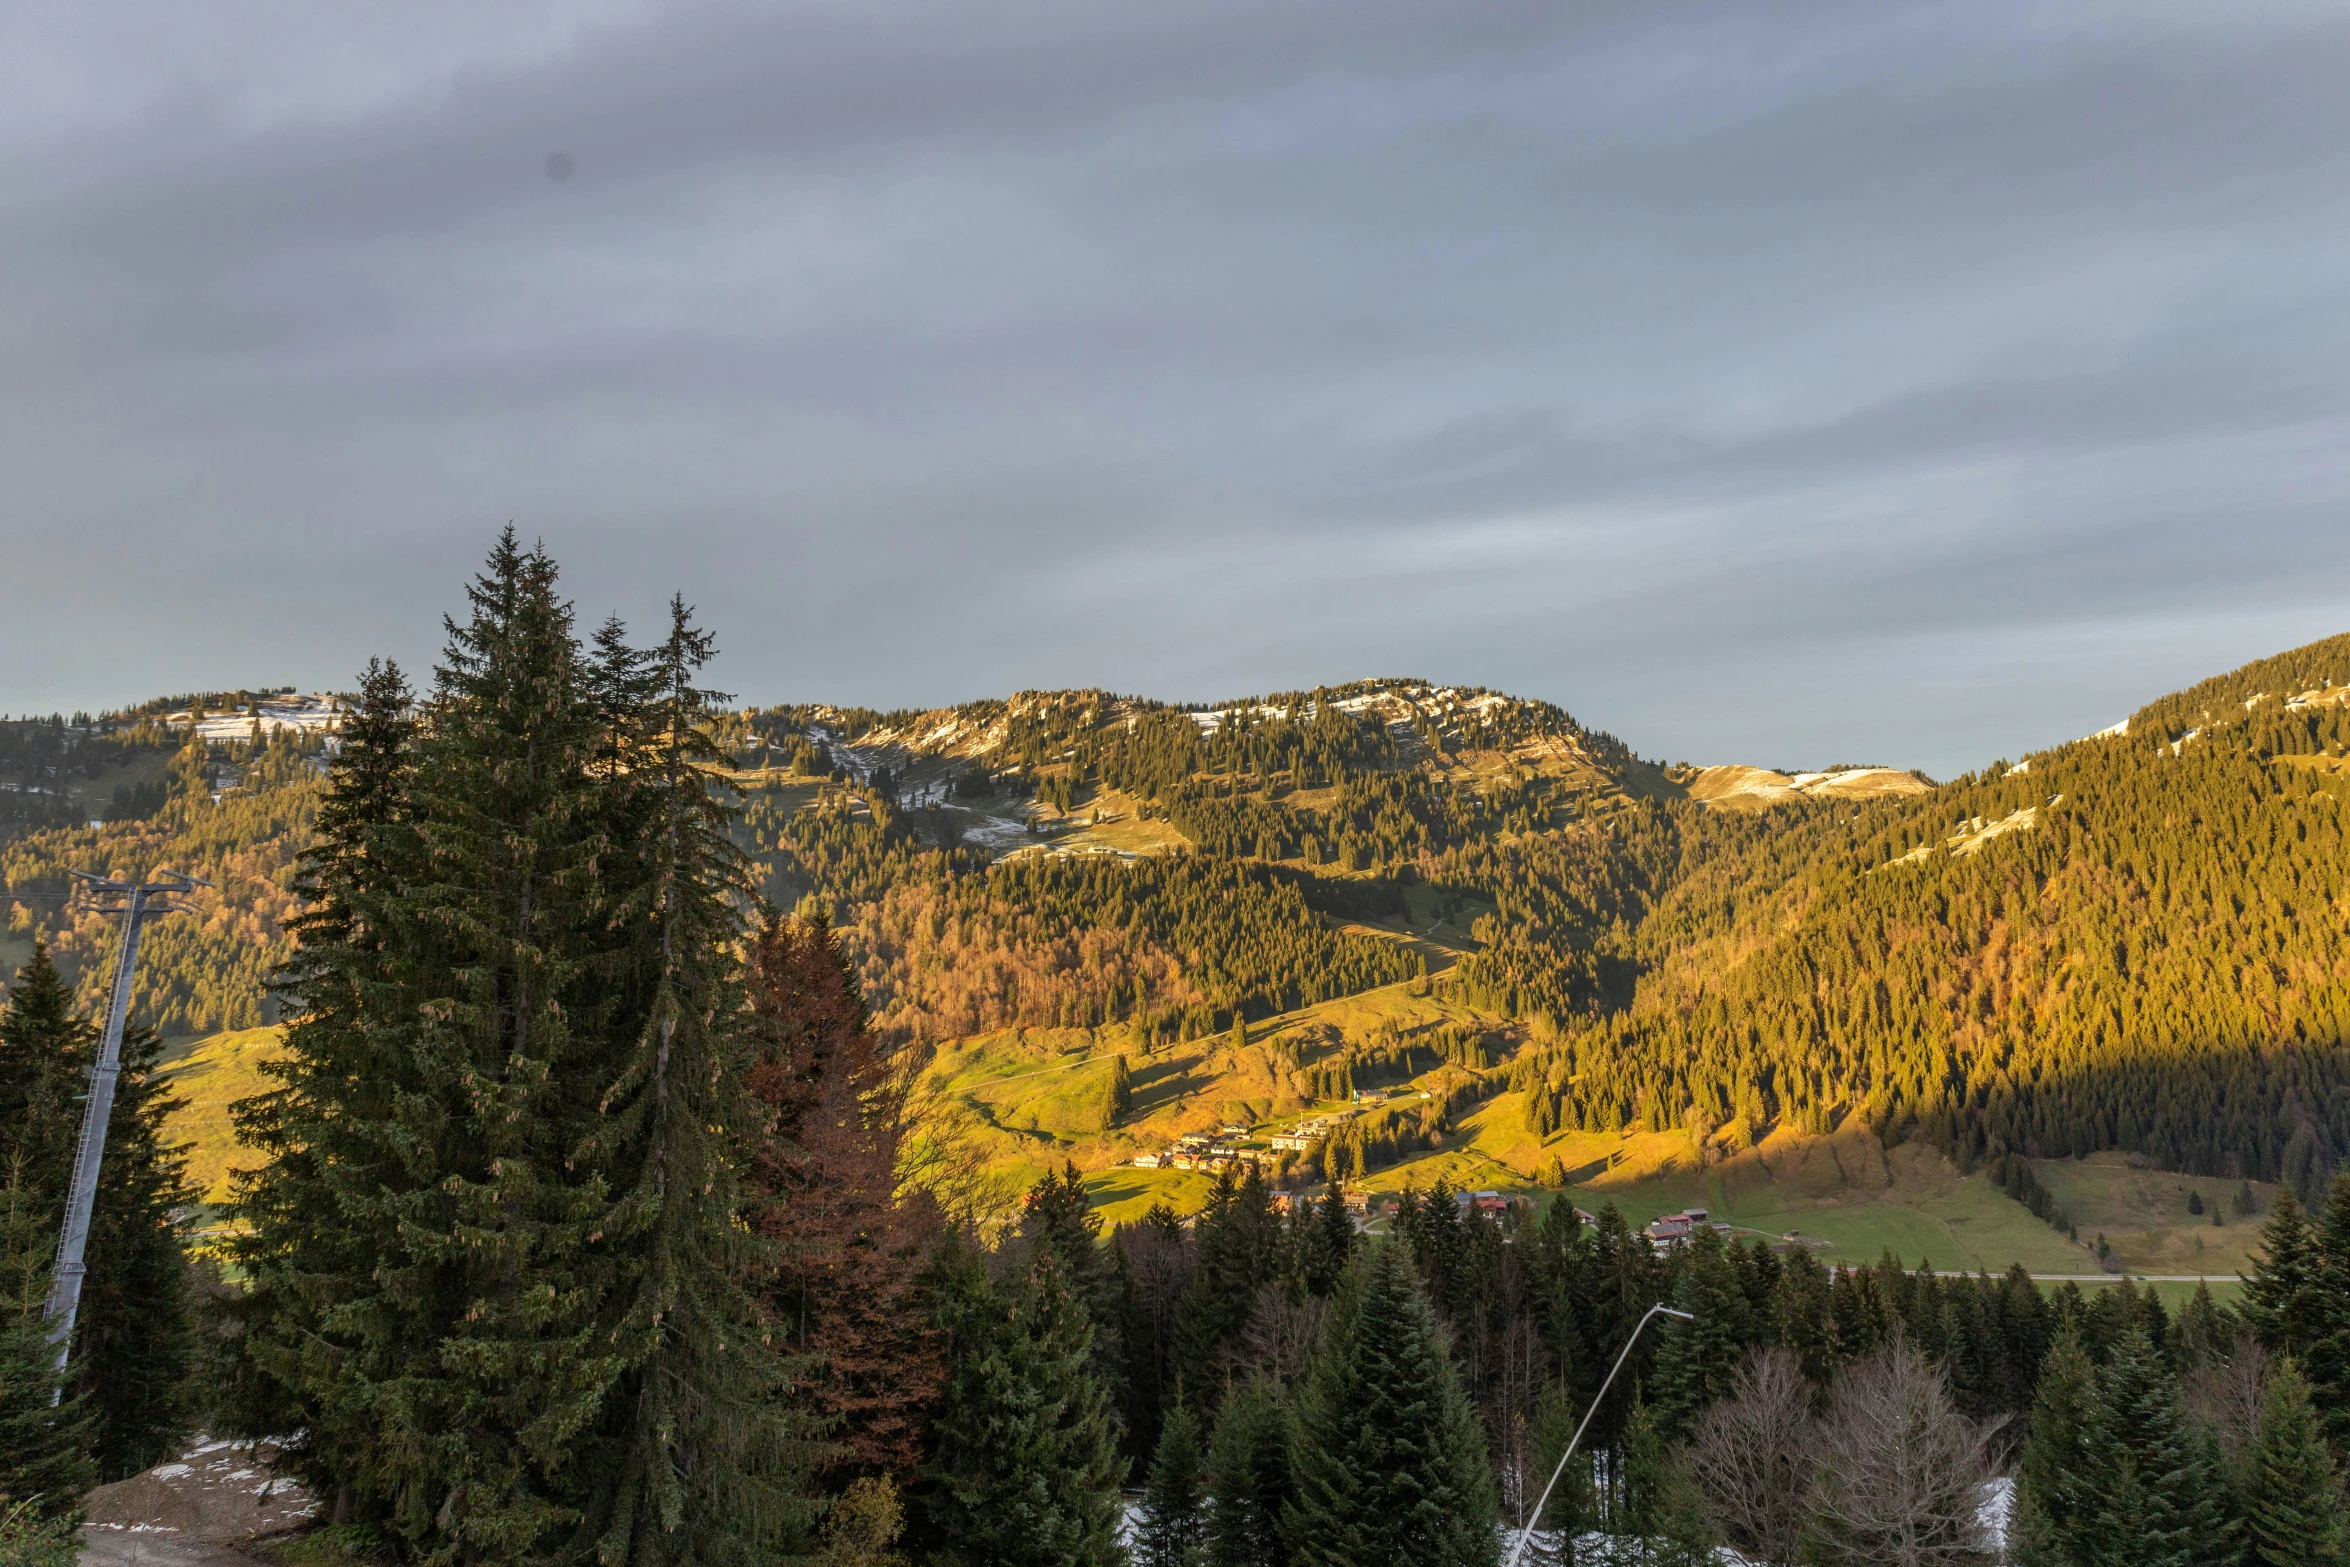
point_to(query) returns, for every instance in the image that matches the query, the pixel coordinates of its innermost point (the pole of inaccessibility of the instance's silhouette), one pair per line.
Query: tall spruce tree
(1058, 1215)
(1024, 1469)
(135, 1334)
(1237, 1236)
(1329, 1242)
(1664, 1509)
(40, 1043)
(309, 1338)
(1168, 1534)
(2281, 1294)
(1390, 1466)
(2160, 1498)
(704, 1464)
(1248, 1478)
(506, 1101)
(2325, 1358)
(2058, 1478)
(1697, 1357)
(2292, 1494)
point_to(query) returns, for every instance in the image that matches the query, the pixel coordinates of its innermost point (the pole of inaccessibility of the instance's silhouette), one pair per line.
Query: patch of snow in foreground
(1614, 1550)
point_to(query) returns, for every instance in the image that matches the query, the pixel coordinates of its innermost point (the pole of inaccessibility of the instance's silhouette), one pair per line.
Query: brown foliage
(850, 1247)
(941, 966)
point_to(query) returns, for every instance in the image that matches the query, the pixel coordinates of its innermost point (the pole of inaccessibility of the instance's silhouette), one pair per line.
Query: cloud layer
(1790, 384)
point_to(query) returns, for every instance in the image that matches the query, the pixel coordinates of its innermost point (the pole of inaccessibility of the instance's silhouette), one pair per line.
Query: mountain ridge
(2015, 962)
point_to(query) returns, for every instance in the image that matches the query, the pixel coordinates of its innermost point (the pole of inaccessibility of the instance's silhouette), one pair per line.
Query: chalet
(1672, 1229)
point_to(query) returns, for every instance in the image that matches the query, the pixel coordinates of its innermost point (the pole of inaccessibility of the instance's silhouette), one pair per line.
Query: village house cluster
(1210, 1151)
(1237, 1145)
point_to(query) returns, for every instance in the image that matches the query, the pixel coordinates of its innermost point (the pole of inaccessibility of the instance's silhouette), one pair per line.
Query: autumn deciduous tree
(849, 1247)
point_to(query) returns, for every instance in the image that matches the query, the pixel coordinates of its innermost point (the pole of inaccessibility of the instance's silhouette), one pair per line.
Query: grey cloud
(1912, 383)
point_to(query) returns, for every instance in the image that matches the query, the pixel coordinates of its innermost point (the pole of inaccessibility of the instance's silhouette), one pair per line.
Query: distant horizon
(741, 701)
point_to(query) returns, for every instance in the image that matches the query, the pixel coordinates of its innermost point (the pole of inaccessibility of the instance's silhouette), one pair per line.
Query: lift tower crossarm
(136, 902)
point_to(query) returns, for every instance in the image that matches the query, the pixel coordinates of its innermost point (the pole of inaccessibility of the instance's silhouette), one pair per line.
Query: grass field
(2143, 1214)
(213, 1074)
(1020, 1102)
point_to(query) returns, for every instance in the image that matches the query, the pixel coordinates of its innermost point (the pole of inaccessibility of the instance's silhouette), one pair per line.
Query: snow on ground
(2327, 695)
(194, 1510)
(314, 714)
(1736, 784)
(997, 833)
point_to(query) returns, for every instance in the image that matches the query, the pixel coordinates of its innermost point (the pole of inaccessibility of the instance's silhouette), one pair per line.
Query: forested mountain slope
(2131, 942)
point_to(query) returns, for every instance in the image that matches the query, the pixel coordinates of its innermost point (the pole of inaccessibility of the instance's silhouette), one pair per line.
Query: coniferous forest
(585, 1215)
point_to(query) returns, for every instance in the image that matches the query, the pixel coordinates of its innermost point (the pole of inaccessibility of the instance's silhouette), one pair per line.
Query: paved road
(2138, 1278)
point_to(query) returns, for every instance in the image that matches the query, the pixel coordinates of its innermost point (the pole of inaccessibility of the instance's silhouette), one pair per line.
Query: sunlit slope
(2135, 942)
(210, 1077)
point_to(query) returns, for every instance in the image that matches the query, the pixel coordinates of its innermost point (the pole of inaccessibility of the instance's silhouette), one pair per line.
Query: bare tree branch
(1754, 1453)
(1902, 1473)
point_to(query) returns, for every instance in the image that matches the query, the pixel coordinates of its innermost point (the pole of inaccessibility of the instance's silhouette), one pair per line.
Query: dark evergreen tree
(496, 1267)
(330, 1130)
(1663, 1507)
(134, 1332)
(1249, 1478)
(2058, 1477)
(1390, 1466)
(1024, 1470)
(2292, 1495)
(1058, 1216)
(1697, 1357)
(1171, 1527)
(1117, 1094)
(1328, 1243)
(1237, 1237)
(45, 1465)
(41, 1041)
(2159, 1495)
(2199, 1334)
(699, 1461)
(2281, 1295)
(2324, 1355)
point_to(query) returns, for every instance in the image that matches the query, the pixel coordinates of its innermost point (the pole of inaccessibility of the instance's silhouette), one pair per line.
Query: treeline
(2146, 967)
(208, 969)
(1174, 947)
(47, 764)
(2012, 1174)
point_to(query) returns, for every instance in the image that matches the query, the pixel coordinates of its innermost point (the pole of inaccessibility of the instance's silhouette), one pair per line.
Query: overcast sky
(1787, 384)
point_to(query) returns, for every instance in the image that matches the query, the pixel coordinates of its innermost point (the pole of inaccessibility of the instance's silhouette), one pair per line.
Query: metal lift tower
(136, 902)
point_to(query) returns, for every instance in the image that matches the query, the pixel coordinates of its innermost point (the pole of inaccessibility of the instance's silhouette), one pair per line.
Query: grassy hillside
(210, 1076)
(1816, 1001)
